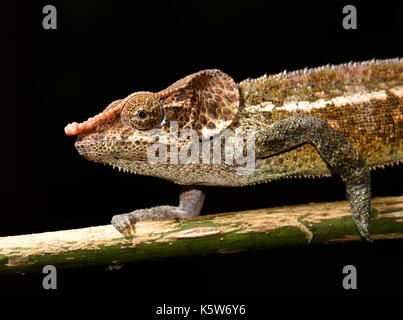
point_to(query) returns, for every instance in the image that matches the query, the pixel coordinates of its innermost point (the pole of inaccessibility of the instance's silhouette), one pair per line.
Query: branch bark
(300, 225)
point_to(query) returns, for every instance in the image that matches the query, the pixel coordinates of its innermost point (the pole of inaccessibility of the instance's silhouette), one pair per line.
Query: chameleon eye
(142, 111)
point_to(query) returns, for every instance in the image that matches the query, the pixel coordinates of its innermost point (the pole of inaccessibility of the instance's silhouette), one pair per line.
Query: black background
(104, 50)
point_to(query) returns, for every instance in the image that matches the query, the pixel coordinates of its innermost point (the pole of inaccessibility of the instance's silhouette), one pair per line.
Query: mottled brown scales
(373, 123)
(323, 82)
(371, 127)
(308, 123)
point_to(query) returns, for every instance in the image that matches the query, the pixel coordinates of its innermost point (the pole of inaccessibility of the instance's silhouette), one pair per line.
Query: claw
(360, 203)
(125, 224)
(179, 220)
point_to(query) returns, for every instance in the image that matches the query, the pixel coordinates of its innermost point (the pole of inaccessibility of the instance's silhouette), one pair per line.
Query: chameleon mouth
(100, 150)
(93, 146)
(95, 154)
(86, 148)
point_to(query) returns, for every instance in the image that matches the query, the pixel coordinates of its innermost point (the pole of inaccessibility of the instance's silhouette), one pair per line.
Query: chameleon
(343, 120)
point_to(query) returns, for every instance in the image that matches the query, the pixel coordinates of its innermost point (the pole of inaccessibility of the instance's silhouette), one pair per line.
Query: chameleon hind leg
(190, 204)
(335, 150)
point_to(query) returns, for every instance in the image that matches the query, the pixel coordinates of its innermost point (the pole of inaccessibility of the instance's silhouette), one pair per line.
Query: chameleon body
(344, 119)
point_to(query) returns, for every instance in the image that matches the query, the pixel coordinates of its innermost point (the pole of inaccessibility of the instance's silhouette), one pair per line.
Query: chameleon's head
(122, 134)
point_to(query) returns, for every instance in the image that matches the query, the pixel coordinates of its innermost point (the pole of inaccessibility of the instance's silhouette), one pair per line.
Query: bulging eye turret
(143, 111)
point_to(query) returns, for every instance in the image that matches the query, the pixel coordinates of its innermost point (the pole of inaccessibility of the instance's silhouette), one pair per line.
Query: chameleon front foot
(190, 205)
(125, 224)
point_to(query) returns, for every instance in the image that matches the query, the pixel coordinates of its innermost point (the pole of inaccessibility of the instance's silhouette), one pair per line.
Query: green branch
(300, 225)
